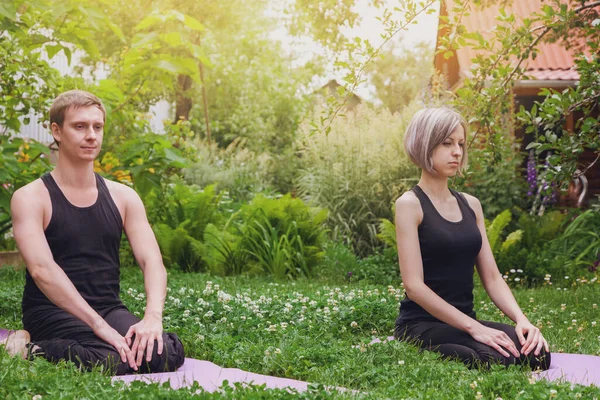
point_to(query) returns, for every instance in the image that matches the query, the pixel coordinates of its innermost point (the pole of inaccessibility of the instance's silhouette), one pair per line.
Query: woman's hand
(534, 340)
(496, 339)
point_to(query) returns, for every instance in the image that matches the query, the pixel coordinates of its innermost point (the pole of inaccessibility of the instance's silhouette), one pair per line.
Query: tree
(485, 97)
(400, 75)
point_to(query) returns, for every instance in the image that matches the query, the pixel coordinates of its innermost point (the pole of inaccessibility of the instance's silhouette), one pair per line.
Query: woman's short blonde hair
(428, 129)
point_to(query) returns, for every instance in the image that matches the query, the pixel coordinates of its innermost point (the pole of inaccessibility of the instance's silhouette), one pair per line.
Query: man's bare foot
(16, 343)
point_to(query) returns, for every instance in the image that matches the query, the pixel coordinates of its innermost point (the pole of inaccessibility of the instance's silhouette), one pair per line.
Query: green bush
(357, 171)
(180, 215)
(554, 245)
(495, 175)
(234, 169)
(279, 236)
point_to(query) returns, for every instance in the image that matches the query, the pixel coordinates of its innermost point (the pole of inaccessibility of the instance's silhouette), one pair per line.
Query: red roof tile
(554, 61)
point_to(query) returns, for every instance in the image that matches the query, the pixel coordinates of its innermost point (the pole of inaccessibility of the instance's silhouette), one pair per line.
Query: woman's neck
(434, 186)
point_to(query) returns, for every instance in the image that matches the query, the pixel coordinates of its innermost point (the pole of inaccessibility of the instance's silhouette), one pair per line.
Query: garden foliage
(357, 171)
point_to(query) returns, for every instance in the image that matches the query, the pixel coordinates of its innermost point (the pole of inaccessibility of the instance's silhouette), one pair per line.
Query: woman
(441, 236)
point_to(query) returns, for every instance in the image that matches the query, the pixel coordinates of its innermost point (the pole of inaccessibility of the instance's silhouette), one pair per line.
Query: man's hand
(112, 337)
(535, 341)
(146, 332)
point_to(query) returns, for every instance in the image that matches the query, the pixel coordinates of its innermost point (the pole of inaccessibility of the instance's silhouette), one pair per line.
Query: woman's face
(447, 156)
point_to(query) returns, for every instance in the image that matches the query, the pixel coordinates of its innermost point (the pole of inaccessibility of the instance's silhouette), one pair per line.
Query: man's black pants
(61, 336)
(456, 344)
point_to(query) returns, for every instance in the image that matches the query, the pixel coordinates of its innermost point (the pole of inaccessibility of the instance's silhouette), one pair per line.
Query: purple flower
(349, 274)
(531, 174)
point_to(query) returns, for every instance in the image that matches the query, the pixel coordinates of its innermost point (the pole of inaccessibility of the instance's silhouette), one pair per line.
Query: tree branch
(130, 97)
(371, 57)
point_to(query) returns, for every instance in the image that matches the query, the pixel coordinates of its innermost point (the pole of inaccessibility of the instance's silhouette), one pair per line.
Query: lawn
(317, 331)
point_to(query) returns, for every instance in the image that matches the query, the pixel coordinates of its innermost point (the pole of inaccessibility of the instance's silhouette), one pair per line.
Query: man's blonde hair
(428, 129)
(73, 99)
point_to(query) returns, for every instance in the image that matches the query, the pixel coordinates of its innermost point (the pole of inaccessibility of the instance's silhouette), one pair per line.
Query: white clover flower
(383, 300)
(176, 302)
(191, 291)
(186, 313)
(277, 350)
(283, 325)
(182, 291)
(223, 297)
(512, 271)
(209, 314)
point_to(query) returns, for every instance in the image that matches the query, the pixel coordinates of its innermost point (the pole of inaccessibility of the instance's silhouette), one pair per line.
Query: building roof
(554, 61)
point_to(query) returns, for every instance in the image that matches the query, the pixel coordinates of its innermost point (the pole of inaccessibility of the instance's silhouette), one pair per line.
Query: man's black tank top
(448, 251)
(85, 243)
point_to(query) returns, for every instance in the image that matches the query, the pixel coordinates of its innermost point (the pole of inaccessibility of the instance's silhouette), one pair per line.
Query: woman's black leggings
(455, 344)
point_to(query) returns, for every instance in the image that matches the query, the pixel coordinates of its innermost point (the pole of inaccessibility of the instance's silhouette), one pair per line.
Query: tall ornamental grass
(357, 171)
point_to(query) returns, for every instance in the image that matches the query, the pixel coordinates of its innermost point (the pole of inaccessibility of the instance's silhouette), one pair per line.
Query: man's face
(81, 135)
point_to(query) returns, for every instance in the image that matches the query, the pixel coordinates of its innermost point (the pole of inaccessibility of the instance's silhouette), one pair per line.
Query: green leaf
(175, 158)
(52, 50)
(117, 31)
(173, 38)
(169, 66)
(67, 52)
(533, 145)
(90, 47)
(150, 20)
(8, 11)
(141, 40)
(193, 23)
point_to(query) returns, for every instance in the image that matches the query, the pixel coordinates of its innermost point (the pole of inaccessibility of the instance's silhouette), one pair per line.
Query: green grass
(315, 331)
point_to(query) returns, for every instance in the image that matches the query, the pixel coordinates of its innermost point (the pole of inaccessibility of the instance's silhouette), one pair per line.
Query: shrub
(356, 171)
(495, 175)
(280, 236)
(180, 215)
(234, 169)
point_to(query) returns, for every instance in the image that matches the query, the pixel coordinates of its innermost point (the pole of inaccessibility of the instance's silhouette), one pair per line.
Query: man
(68, 227)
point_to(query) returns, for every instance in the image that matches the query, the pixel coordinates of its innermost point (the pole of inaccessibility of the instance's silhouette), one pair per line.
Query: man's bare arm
(28, 220)
(147, 254)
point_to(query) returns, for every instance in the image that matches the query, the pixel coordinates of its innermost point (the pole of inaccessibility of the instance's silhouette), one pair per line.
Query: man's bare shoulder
(120, 189)
(31, 194)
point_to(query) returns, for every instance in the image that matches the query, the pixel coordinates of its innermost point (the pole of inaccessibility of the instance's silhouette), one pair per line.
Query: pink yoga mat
(210, 377)
(575, 368)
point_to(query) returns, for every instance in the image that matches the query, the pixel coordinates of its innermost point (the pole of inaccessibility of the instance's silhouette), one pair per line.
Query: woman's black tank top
(85, 243)
(448, 250)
